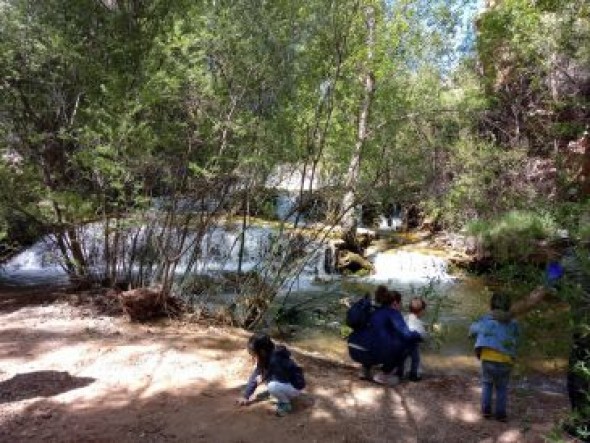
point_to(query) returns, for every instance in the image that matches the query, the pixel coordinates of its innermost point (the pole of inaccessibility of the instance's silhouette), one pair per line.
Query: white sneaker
(386, 379)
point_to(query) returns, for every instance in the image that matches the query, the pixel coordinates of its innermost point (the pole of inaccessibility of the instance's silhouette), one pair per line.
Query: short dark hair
(395, 296)
(385, 297)
(500, 302)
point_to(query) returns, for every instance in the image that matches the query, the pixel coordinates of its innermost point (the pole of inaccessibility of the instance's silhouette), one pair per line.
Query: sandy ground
(70, 375)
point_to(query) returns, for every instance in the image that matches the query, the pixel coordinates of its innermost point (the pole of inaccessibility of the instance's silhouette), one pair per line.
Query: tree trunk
(352, 177)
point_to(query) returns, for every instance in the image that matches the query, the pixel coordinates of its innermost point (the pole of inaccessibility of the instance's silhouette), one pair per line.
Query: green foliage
(436, 304)
(486, 181)
(515, 235)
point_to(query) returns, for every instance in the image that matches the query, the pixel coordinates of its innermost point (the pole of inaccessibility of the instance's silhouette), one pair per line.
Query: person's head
(260, 347)
(500, 302)
(385, 297)
(417, 306)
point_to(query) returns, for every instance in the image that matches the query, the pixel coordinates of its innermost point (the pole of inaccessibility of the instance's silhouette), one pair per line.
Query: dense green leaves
(109, 105)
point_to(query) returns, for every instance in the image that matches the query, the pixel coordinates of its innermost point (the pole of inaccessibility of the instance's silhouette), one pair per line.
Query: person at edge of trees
(570, 277)
(275, 367)
(386, 341)
(496, 338)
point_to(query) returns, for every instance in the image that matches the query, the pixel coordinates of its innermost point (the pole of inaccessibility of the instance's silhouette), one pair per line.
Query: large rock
(350, 262)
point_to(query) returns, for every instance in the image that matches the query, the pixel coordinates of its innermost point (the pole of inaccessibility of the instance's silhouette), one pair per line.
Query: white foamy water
(410, 267)
(219, 251)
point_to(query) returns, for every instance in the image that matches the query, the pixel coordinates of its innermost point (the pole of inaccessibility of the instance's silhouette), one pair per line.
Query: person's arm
(523, 306)
(251, 386)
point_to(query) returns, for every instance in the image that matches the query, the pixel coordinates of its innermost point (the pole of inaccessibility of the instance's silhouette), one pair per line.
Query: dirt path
(67, 375)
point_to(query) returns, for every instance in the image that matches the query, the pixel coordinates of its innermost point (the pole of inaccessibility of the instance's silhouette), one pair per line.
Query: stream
(313, 303)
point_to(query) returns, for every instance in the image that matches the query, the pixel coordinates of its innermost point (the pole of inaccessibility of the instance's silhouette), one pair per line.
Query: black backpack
(283, 366)
(359, 314)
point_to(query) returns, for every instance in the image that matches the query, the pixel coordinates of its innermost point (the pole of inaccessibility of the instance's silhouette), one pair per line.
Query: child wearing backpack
(496, 336)
(274, 367)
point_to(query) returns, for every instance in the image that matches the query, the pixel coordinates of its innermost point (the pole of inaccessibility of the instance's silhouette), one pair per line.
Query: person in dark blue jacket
(385, 341)
(275, 367)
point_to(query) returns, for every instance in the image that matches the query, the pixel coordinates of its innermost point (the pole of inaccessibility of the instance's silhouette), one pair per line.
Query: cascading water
(219, 251)
(389, 223)
(35, 266)
(285, 202)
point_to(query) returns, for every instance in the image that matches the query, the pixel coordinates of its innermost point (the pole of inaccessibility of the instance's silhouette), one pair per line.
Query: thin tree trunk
(352, 176)
(244, 225)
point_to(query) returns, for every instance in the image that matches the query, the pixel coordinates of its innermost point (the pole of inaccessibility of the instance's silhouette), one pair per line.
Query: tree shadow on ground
(12, 300)
(159, 385)
(336, 410)
(39, 384)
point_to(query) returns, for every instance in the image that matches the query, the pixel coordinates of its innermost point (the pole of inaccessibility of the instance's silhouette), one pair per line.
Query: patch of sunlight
(419, 412)
(61, 352)
(476, 389)
(369, 396)
(510, 436)
(451, 362)
(546, 365)
(463, 411)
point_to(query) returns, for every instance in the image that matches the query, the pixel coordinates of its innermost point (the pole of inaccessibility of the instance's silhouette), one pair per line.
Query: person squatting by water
(496, 338)
(417, 308)
(385, 341)
(275, 368)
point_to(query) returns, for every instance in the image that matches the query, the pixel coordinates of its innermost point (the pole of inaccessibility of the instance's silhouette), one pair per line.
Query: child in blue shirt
(496, 336)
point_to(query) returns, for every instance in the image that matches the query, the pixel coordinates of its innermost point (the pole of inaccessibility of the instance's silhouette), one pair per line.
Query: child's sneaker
(386, 379)
(283, 408)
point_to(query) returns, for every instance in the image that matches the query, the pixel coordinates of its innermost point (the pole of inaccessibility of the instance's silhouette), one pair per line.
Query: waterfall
(34, 266)
(285, 202)
(389, 223)
(218, 251)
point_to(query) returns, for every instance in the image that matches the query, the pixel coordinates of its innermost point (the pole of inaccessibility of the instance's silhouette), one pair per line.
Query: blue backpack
(359, 314)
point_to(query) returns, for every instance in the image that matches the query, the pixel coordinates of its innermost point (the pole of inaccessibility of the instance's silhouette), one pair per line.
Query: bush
(513, 236)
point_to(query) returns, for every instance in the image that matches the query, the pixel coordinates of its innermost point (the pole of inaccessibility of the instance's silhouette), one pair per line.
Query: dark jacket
(281, 368)
(386, 339)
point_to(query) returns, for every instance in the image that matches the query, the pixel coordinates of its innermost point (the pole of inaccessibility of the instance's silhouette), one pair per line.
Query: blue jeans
(496, 376)
(412, 353)
(414, 359)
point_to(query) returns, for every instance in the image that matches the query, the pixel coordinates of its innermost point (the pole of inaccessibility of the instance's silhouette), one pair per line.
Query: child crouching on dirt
(496, 340)
(274, 367)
